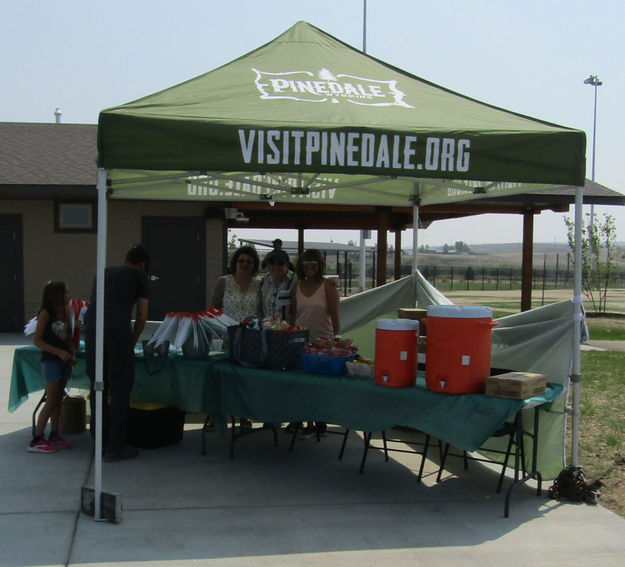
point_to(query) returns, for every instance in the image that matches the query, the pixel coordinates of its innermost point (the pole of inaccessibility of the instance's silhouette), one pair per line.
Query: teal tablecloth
(26, 375)
(219, 387)
(178, 381)
(465, 421)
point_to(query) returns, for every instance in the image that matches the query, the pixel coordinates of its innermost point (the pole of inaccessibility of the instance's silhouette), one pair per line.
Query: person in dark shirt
(124, 287)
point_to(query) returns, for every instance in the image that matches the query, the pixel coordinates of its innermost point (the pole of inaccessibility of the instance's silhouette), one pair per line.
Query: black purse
(266, 348)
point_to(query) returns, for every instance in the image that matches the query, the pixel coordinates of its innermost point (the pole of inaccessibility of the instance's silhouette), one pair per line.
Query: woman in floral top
(238, 293)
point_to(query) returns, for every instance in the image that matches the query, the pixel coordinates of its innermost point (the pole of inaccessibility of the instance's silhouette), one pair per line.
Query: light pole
(594, 81)
(362, 270)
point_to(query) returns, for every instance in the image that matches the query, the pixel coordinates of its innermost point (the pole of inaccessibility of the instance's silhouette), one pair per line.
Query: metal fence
(502, 278)
(469, 277)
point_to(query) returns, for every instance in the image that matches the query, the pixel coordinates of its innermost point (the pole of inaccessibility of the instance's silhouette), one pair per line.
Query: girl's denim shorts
(52, 370)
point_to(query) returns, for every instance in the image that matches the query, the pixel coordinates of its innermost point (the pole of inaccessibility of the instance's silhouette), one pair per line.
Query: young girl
(53, 336)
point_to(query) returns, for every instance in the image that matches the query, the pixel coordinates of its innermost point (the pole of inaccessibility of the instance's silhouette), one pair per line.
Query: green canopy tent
(309, 104)
(307, 118)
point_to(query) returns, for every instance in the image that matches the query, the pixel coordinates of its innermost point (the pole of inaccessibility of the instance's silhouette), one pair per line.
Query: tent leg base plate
(110, 505)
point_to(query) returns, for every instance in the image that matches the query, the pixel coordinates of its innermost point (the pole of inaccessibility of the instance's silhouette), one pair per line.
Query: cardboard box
(516, 385)
(415, 314)
(73, 414)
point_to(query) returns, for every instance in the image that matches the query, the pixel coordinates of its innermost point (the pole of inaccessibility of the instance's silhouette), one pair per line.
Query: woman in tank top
(315, 305)
(315, 300)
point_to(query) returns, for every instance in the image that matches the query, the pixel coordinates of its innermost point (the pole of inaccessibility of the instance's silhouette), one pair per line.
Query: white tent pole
(415, 239)
(362, 262)
(577, 322)
(363, 257)
(99, 338)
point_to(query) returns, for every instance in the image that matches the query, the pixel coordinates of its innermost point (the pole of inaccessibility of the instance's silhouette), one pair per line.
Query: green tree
(445, 248)
(461, 246)
(599, 255)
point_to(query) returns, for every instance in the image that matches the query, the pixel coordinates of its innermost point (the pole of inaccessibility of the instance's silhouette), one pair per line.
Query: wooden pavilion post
(526, 266)
(300, 241)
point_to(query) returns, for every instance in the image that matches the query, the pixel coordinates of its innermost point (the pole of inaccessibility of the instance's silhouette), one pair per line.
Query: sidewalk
(604, 345)
(269, 507)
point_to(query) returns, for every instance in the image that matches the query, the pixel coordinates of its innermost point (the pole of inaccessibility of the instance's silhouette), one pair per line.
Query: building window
(74, 217)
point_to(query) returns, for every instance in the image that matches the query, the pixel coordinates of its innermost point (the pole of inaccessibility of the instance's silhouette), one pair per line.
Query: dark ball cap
(277, 256)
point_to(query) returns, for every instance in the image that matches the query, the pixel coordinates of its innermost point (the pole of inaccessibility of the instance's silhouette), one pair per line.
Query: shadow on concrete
(180, 505)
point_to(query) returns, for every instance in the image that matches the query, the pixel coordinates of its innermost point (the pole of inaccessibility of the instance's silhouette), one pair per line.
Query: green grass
(602, 425)
(608, 329)
(503, 285)
(443, 286)
(498, 314)
(601, 328)
(603, 393)
(501, 308)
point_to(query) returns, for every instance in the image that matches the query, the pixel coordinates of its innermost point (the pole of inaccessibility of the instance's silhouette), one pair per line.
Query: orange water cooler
(396, 352)
(458, 348)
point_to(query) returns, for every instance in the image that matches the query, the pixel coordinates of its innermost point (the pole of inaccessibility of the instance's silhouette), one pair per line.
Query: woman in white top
(238, 293)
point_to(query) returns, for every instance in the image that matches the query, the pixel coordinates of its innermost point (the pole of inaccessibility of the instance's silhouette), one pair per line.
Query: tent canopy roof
(308, 117)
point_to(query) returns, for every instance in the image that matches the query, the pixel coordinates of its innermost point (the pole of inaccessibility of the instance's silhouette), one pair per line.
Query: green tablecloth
(220, 387)
(178, 381)
(465, 421)
(26, 375)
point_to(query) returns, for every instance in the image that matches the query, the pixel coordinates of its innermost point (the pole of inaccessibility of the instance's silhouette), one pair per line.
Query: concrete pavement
(605, 345)
(269, 507)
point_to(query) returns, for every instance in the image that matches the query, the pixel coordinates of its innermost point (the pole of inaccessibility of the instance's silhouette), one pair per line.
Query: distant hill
(506, 254)
(513, 247)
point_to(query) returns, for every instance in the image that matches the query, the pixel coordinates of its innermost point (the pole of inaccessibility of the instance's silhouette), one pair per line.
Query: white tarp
(540, 340)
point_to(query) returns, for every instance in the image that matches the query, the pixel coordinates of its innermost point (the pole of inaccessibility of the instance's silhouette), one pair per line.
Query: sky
(530, 57)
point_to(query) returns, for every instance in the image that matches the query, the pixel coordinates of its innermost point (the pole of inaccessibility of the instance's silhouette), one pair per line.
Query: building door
(11, 274)
(177, 274)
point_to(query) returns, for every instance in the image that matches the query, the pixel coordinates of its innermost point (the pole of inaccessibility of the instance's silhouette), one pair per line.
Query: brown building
(48, 218)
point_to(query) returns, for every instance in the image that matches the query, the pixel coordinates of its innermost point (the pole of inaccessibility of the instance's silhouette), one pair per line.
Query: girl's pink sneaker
(42, 446)
(57, 441)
